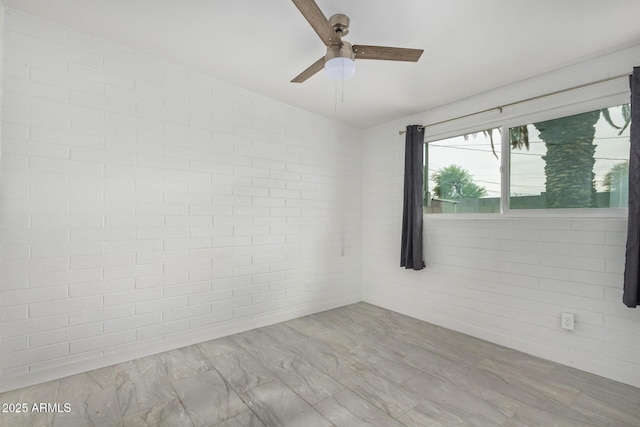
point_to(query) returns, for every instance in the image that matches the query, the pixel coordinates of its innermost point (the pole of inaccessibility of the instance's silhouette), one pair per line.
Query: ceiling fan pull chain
(342, 85)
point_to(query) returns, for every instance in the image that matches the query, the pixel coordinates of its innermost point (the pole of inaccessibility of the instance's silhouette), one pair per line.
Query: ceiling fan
(341, 55)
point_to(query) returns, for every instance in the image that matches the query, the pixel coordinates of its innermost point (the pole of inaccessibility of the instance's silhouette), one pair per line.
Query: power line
(518, 153)
(531, 141)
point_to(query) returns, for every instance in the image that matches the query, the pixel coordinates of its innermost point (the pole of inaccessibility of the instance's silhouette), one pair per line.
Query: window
(576, 161)
(462, 174)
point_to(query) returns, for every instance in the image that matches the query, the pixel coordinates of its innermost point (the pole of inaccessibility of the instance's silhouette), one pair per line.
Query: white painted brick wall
(144, 206)
(506, 279)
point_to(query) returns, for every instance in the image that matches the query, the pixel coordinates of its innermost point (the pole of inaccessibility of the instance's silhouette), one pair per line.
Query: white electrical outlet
(568, 321)
(307, 286)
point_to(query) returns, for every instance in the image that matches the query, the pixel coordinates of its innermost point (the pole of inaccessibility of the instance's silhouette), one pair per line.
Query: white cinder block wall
(1, 65)
(507, 278)
(145, 206)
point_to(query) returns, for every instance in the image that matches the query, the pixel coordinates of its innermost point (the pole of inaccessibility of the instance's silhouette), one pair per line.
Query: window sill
(604, 213)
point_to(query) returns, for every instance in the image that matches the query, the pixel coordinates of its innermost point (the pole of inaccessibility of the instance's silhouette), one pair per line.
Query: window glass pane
(463, 174)
(578, 161)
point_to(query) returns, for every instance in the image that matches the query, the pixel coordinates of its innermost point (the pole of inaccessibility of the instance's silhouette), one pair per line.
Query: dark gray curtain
(632, 262)
(411, 251)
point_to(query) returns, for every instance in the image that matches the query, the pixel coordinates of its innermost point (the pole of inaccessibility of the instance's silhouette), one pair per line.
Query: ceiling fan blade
(387, 53)
(312, 13)
(314, 68)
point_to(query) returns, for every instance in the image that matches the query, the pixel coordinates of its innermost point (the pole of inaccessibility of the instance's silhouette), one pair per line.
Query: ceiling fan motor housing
(344, 51)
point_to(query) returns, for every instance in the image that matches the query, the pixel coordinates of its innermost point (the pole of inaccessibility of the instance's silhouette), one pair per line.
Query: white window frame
(553, 107)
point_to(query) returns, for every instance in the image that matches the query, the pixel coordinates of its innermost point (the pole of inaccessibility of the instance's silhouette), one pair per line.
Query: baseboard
(586, 363)
(218, 330)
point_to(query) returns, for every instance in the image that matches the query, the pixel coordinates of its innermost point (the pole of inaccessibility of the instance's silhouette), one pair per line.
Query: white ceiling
(470, 45)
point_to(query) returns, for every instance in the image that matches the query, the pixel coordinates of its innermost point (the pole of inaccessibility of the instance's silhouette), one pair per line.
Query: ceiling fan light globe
(340, 68)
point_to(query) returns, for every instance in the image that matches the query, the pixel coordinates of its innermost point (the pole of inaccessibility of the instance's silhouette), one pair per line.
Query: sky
(527, 167)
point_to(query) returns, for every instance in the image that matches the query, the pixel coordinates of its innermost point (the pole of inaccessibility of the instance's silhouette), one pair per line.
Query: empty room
(319, 213)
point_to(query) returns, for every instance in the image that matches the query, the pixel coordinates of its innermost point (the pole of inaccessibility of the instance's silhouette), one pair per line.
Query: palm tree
(570, 180)
(486, 133)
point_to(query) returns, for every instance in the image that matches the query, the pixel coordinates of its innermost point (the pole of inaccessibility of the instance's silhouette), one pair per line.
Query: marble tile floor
(358, 365)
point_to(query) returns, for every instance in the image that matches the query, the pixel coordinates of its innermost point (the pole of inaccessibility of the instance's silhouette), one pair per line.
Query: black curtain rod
(500, 108)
